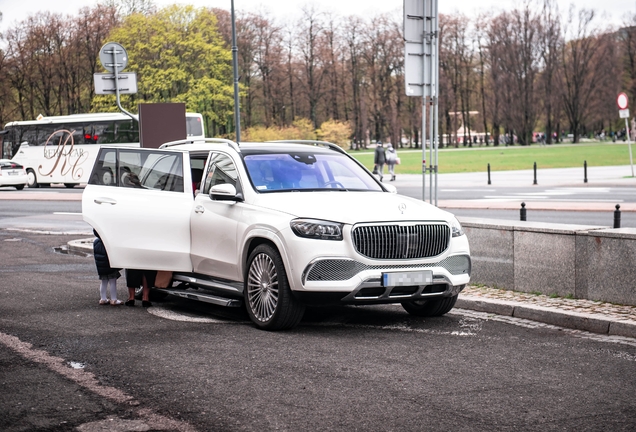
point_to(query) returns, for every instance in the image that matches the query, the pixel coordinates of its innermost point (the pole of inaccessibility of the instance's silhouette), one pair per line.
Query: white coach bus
(62, 149)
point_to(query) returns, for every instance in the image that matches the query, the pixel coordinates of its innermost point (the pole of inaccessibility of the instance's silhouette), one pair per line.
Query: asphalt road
(67, 363)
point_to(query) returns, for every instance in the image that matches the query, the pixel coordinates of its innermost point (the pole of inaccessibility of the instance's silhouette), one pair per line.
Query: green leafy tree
(179, 56)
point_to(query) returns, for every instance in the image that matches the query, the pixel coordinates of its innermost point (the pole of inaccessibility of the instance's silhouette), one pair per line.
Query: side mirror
(390, 188)
(225, 192)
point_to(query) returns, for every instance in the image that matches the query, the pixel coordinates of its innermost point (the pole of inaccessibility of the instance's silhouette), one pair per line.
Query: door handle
(199, 209)
(104, 201)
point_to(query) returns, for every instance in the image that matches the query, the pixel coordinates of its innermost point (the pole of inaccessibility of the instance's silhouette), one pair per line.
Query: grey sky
(613, 11)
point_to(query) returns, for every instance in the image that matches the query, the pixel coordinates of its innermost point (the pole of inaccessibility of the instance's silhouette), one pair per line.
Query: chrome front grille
(397, 242)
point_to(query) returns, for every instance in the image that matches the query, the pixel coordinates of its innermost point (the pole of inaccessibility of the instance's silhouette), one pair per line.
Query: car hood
(352, 207)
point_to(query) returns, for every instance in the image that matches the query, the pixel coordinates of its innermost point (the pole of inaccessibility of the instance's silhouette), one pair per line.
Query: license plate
(407, 278)
(13, 172)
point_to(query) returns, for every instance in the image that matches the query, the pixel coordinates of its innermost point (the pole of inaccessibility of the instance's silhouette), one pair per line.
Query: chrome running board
(203, 297)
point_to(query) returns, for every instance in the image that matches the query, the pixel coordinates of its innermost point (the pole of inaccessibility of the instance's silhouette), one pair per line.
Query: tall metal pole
(423, 134)
(436, 134)
(629, 145)
(237, 107)
(116, 66)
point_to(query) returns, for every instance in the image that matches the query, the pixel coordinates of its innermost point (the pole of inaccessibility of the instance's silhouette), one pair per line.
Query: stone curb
(81, 245)
(594, 323)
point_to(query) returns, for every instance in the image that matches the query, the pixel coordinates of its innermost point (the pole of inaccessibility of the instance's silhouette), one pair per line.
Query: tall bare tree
(582, 59)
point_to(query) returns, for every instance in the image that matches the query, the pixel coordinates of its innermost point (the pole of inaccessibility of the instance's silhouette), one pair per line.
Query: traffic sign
(113, 56)
(624, 113)
(105, 83)
(622, 101)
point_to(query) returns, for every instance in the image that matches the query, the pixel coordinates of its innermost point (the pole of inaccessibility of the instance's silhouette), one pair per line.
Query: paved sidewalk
(579, 314)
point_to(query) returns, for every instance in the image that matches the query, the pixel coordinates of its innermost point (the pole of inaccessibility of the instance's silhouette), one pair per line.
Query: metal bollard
(584, 171)
(535, 173)
(522, 212)
(617, 216)
(488, 173)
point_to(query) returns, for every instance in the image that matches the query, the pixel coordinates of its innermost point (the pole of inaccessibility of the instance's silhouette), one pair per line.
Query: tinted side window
(220, 171)
(151, 170)
(139, 169)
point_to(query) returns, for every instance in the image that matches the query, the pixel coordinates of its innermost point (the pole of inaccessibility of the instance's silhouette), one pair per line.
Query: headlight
(317, 229)
(456, 227)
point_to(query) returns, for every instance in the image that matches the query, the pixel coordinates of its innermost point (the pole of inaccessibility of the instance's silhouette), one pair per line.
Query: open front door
(139, 201)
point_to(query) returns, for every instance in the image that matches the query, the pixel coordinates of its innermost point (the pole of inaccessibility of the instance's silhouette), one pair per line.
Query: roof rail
(230, 143)
(313, 142)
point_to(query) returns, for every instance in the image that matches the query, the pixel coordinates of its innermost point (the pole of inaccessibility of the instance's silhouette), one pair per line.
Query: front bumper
(362, 283)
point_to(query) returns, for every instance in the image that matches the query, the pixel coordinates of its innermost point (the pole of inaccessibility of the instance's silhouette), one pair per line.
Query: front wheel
(430, 308)
(268, 298)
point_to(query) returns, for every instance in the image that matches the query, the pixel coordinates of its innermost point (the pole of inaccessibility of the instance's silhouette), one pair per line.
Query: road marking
(520, 322)
(88, 381)
(176, 316)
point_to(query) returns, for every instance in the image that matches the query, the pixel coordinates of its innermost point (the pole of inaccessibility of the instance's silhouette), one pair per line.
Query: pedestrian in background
(107, 275)
(391, 160)
(379, 159)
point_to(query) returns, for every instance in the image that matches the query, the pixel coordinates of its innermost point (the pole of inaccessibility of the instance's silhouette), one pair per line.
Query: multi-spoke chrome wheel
(262, 287)
(269, 300)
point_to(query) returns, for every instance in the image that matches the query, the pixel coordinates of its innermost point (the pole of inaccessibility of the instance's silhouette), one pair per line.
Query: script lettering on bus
(64, 154)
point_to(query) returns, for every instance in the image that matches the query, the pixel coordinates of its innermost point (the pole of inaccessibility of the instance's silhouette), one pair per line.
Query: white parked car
(12, 174)
(274, 226)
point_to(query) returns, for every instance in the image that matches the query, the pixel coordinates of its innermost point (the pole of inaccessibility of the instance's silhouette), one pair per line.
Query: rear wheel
(268, 298)
(19, 187)
(430, 308)
(32, 180)
(69, 185)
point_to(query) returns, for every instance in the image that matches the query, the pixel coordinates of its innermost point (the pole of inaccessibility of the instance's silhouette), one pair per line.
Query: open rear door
(139, 201)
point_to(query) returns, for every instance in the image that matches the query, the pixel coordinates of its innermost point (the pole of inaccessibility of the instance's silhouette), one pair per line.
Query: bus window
(194, 126)
(126, 131)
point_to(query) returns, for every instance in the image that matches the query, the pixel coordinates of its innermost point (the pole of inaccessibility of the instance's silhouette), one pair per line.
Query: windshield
(273, 172)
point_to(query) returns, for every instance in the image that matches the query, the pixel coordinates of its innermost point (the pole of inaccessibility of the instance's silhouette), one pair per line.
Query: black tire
(268, 298)
(69, 185)
(32, 179)
(19, 187)
(430, 308)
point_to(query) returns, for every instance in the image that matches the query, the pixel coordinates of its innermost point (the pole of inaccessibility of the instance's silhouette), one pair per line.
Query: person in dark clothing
(140, 278)
(379, 159)
(107, 274)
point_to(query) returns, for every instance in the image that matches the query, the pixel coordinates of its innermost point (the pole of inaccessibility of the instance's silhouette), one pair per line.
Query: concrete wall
(590, 262)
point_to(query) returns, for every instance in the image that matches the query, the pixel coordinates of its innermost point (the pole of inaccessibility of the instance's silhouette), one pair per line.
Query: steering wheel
(334, 183)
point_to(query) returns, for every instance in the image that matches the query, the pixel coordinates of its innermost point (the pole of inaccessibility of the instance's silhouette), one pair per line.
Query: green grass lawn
(510, 158)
